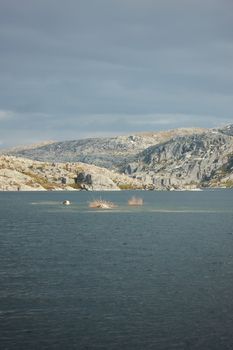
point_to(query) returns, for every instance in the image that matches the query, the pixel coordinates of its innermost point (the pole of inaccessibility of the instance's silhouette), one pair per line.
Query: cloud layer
(83, 68)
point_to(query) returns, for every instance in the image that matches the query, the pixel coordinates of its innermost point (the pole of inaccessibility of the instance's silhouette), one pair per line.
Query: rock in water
(66, 202)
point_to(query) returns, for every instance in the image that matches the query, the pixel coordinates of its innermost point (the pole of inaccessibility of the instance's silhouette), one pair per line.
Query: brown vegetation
(135, 201)
(101, 204)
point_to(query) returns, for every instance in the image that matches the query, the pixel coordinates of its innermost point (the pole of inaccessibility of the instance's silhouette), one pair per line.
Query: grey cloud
(78, 60)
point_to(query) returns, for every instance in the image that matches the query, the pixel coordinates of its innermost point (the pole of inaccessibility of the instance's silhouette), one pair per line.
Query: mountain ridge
(99, 151)
(174, 159)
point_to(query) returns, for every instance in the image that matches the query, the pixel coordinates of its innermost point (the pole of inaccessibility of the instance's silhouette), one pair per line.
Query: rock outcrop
(110, 153)
(20, 174)
(176, 159)
(185, 162)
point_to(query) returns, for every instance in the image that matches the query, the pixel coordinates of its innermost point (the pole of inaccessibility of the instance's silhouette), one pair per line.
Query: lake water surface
(157, 277)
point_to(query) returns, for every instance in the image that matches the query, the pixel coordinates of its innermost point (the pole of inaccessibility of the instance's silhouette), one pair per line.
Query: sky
(72, 69)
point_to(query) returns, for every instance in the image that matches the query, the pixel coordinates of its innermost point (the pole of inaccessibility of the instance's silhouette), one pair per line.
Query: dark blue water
(154, 277)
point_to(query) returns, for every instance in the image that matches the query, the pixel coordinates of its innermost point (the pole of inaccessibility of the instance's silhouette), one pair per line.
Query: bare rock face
(227, 130)
(19, 174)
(84, 178)
(110, 153)
(95, 182)
(13, 180)
(175, 159)
(183, 161)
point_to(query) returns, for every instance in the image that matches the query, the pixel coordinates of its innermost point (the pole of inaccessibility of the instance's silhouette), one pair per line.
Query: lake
(158, 276)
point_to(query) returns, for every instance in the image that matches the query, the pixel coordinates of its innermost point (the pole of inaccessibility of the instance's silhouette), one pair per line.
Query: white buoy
(66, 202)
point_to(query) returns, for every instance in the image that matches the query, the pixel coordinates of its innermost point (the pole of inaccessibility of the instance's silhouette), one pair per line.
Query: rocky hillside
(198, 160)
(176, 159)
(104, 152)
(19, 174)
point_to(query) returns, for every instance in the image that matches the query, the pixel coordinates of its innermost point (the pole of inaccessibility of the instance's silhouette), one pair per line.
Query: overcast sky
(71, 69)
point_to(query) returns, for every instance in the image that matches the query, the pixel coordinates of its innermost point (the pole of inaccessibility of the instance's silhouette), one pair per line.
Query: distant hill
(21, 148)
(200, 160)
(175, 159)
(104, 152)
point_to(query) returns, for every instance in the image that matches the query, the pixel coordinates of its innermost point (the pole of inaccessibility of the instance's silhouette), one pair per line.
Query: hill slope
(198, 160)
(103, 152)
(176, 159)
(28, 175)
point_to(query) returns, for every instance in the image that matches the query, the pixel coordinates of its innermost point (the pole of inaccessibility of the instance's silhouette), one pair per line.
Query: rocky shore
(20, 174)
